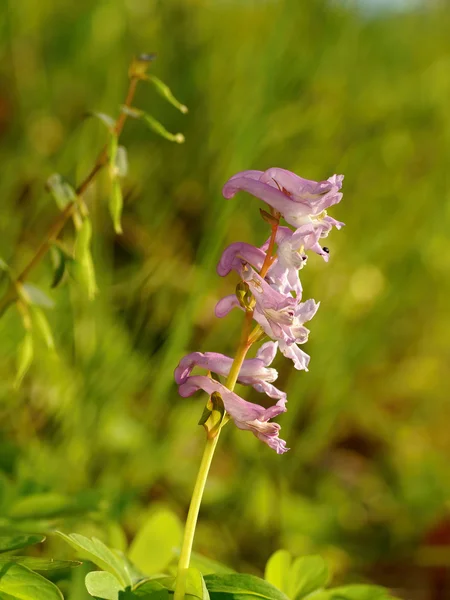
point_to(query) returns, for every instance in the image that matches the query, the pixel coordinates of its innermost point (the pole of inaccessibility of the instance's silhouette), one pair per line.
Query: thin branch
(60, 222)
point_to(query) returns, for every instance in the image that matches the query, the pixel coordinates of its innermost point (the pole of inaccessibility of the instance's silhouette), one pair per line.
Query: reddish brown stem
(60, 222)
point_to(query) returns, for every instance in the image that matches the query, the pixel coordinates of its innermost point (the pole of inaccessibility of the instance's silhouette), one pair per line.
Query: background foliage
(97, 427)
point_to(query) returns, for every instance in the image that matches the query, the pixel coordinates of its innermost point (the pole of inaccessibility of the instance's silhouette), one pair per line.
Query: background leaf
(116, 205)
(62, 192)
(97, 552)
(40, 564)
(43, 326)
(17, 540)
(307, 574)
(278, 570)
(103, 585)
(241, 587)
(158, 128)
(166, 93)
(195, 585)
(19, 583)
(156, 542)
(360, 592)
(84, 264)
(25, 354)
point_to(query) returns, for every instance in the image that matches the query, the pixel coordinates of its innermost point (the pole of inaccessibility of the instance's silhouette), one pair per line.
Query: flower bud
(213, 415)
(244, 296)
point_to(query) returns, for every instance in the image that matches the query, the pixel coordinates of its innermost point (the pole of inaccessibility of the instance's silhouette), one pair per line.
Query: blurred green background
(313, 86)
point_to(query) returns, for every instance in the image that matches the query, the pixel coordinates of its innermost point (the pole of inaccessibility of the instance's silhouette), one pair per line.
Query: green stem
(191, 521)
(199, 488)
(197, 495)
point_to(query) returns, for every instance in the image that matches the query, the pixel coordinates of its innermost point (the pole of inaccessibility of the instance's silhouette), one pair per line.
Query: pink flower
(281, 317)
(245, 415)
(254, 371)
(299, 200)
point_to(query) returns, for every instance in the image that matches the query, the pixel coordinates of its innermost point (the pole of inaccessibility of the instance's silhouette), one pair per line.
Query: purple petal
(265, 192)
(254, 371)
(267, 352)
(306, 310)
(211, 361)
(234, 254)
(270, 390)
(296, 198)
(250, 174)
(225, 305)
(246, 415)
(299, 188)
(298, 357)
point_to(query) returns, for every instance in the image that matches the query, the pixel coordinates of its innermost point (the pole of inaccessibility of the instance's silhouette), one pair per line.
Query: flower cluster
(273, 294)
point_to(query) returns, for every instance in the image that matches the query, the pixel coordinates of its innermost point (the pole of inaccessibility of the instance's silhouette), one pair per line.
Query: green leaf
(155, 543)
(166, 93)
(97, 552)
(83, 257)
(59, 265)
(39, 564)
(307, 574)
(45, 505)
(121, 162)
(360, 592)
(207, 566)
(134, 574)
(34, 295)
(24, 358)
(195, 585)
(62, 192)
(19, 583)
(241, 587)
(103, 585)
(150, 589)
(116, 205)
(278, 570)
(108, 121)
(14, 541)
(112, 153)
(43, 326)
(158, 128)
(130, 111)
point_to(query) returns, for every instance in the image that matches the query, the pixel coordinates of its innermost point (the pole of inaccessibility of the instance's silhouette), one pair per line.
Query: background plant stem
(61, 220)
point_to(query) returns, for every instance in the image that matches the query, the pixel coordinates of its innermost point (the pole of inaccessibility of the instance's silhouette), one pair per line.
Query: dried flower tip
(268, 218)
